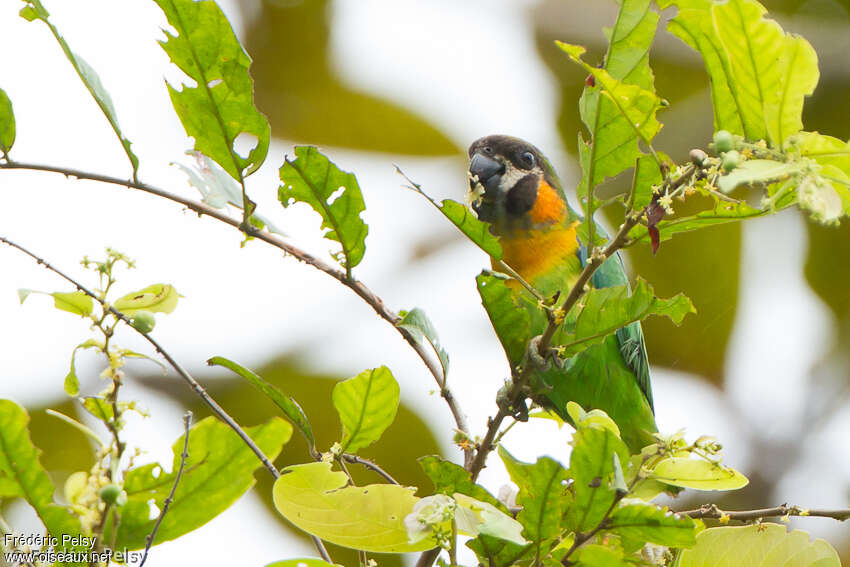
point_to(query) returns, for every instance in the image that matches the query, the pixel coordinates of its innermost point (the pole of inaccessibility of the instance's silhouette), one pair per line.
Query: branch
(187, 424)
(249, 230)
(784, 510)
(194, 384)
(348, 457)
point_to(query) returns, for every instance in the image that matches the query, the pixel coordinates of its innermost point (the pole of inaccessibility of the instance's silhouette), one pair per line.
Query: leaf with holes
(333, 193)
(612, 146)
(366, 404)
(220, 107)
(219, 470)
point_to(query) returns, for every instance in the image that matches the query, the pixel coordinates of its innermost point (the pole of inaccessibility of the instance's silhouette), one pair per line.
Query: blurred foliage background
(298, 88)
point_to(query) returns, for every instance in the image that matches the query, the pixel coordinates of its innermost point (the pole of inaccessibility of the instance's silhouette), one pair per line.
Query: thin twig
(712, 511)
(187, 424)
(356, 286)
(194, 384)
(348, 457)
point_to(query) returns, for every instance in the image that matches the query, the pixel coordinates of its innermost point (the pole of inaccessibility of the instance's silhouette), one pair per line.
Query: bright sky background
(246, 303)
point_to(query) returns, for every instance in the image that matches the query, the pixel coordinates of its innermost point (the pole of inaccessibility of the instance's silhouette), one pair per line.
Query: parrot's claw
(516, 407)
(542, 362)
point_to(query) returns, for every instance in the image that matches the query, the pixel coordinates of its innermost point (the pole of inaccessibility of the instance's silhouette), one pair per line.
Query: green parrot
(515, 189)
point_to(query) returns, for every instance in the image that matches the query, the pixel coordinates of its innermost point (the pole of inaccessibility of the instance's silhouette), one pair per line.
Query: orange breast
(549, 207)
(536, 252)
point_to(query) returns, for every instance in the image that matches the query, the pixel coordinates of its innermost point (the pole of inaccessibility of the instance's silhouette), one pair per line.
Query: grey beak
(485, 167)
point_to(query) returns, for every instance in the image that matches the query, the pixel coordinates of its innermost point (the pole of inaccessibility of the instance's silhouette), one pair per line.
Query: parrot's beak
(485, 168)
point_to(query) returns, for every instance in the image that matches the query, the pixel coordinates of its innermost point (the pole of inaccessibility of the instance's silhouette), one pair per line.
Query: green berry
(110, 493)
(723, 141)
(144, 321)
(730, 160)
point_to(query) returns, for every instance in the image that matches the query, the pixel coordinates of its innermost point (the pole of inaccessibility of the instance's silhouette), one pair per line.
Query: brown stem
(187, 424)
(712, 511)
(356, 286)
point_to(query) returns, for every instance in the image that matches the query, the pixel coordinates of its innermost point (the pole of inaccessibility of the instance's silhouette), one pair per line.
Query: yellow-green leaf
(698, 474)
(371, 518)
(159, 298)
(765, 545)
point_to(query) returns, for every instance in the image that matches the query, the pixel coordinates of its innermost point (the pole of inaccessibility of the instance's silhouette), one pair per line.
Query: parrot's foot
(541, 362)
(511, 403)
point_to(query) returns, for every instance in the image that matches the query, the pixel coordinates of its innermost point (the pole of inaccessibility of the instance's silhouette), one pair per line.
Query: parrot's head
(512, 185)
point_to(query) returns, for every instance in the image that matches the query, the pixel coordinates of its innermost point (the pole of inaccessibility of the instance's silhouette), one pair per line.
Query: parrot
(514, 188)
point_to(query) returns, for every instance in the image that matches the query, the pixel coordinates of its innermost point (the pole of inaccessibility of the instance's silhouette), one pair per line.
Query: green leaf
(497, 552)
(35, 10)
(474, 517)
(543, 496)
(366, 404)
(647, 175)
(759, 171)
(637, 524)
(287, 405)
(156, 298)
(595, 418)
(698, 474)
(826, 150)
(511, 321)
(465, 220)
(417, 323)
(603, 311)
(598, 555)
(220, 107)
(765, 545)
(72, 384)
(22, 475)
(622, 97)
(75, 302)
(759, 74)
(450, 478)
(99, 408)
(371, 518)
(333, 193)
(7, 123)
(219, 470)
(592, 469)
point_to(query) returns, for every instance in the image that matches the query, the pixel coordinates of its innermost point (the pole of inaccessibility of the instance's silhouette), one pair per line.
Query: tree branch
(356, 286)
(350, 458)
(784, 510)
(194, 384)
(187, 425)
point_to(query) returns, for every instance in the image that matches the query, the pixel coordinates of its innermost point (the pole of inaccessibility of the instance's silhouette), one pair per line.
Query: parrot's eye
(488, 150)
(528, 159)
